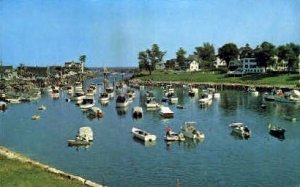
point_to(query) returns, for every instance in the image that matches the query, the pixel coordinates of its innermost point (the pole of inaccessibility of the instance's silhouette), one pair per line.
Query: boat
(206, 98)
(87, 102)
(288, 97)
(55, 92)
(166, 112)
(84, 137)
(110, 91)
(137, 112)
(95, 112)
(276, 131)
(143, 135)
(42, 107)
(104, 97)
(78, 87)
(13, 100)
(151, 103)
(252, 90)
(3, 105)
(191, 92)
(69, 90)
(122, 101)
(173, 99)
(180, 106)
(189, 130)
(35, 117)
(78, 96)
(173, 136)
(240, 129)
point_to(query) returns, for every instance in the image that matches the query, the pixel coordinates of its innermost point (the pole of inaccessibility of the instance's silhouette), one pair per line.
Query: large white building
(245, 66)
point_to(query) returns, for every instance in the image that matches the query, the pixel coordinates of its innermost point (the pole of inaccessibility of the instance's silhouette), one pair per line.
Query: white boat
(205, 99)
(55, 92)
(110, 91)
(189, 130)
(84, 137)
(122, 101)
(166, 112)
(104, 97)
(240, 129)
(173, 136)
(137, 112)
(79, 95)
(252, 90)
(69, 90)
(151, 103)
(87, 102)
(173, 99)
(13, 100)
(143, 135)
(42, 107)
(95, 112)
(35, 117)
(78, 87)
(288, 97)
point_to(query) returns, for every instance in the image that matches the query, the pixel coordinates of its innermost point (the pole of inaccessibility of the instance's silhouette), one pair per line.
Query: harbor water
(115, 158)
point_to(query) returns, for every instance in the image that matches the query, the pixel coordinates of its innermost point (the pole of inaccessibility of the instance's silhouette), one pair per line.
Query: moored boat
(87, 102)
(35, 117)
(137, 112)
(104, 97)
(95, 112)
(276, 131)
(173, 136)
(3, 105)
(42, 107)
(189, 130)
(240, 129)
(143, 135)
(166, 112)
(121, 101)
(84, 137)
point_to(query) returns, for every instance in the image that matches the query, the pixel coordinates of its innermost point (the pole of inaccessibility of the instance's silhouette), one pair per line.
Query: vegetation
(150, 57)
(180, 57)
(228, 52)
(272, 79)
(15, 173)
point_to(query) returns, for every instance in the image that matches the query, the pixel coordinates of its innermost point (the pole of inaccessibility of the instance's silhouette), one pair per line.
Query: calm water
(116, 159)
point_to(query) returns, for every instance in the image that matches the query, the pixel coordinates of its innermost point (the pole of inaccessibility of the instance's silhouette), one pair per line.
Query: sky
(112, 32)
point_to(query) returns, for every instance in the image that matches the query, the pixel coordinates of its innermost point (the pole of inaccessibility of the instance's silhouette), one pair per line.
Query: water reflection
(122, 111)
(145, 143)
(239, 136)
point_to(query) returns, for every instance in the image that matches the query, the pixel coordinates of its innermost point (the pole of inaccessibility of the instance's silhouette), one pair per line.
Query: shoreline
(218, 86)
(21, 158)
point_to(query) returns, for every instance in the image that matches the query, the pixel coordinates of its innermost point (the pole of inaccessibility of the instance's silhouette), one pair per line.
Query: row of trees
(205, 54)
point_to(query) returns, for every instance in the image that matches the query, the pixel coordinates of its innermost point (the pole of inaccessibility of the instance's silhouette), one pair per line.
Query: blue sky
(111, 33)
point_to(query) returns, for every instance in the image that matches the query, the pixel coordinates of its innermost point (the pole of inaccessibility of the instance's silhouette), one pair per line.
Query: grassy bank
(15, 173)
(274, 79)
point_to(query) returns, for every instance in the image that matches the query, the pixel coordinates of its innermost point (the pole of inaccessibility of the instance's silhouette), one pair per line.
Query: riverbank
(263, 82)
(18, 170)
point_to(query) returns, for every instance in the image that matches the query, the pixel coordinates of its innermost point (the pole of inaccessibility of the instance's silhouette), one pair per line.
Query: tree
(170, 64)
(206, 52)
(228, 52)
(264, 54)
(150, 57)
(246, 52)
(180, 57)
(289, 53)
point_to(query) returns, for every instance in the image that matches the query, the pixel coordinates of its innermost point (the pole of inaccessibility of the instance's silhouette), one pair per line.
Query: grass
(273, 79)
(14, 173)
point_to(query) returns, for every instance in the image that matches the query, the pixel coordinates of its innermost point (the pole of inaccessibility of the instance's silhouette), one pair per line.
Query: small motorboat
(166, 112)
(189, 130)
(137, 112)
(240, 129)
(3, 105)
(143, 135)
(180, 106)
(84, 137)
(276, 131)
(35, 117)
(173, 136)
(42, 107)
(95, 112)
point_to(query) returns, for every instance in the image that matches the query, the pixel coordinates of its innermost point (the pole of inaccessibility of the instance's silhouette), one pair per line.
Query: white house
(193, 66)
(219, 63)
(249, 65)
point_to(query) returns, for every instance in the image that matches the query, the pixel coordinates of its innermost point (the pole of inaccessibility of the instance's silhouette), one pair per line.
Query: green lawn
(13, 173)
(273, 79)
